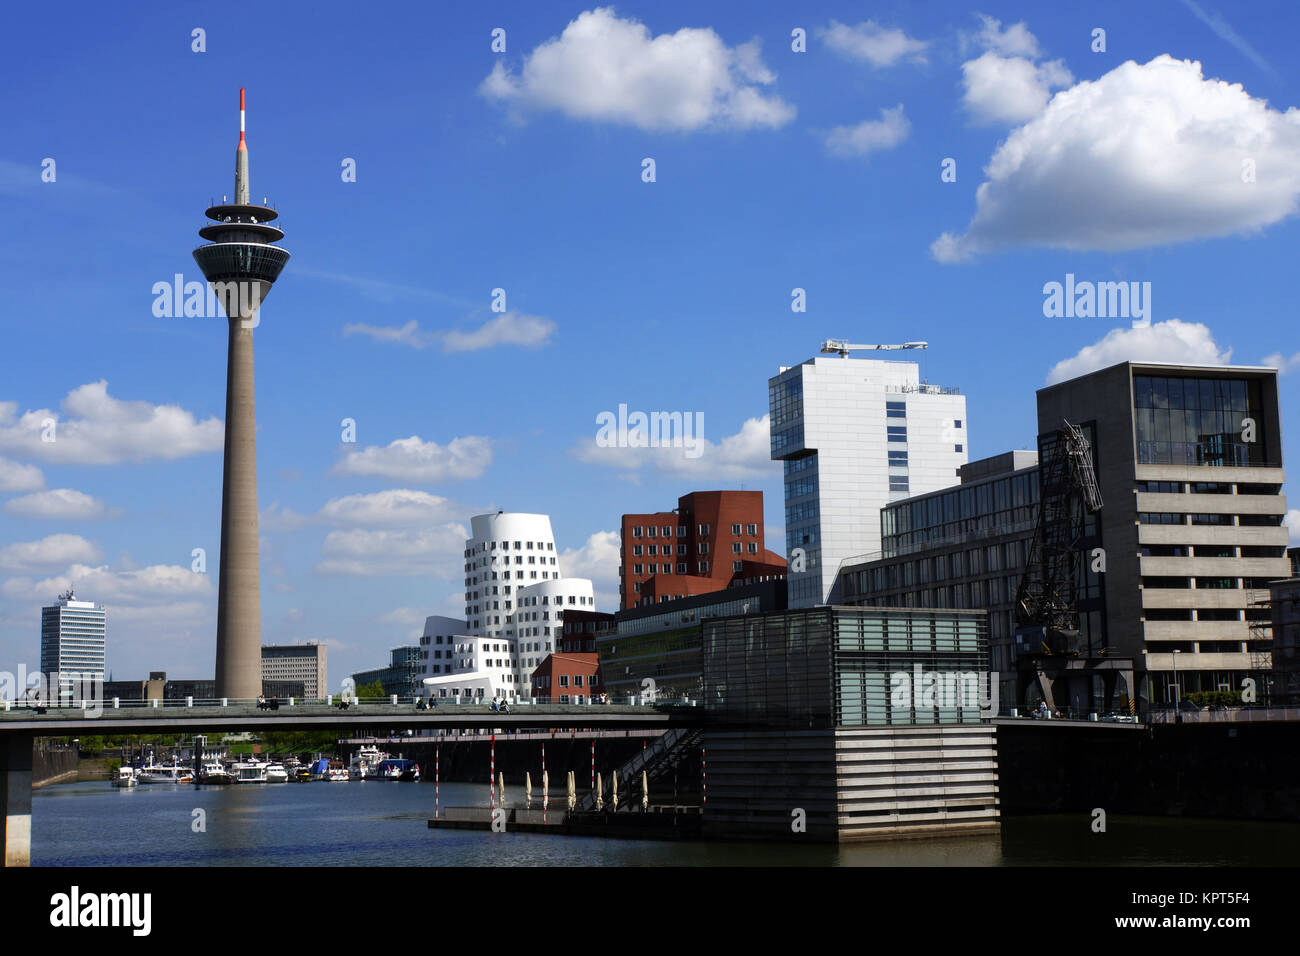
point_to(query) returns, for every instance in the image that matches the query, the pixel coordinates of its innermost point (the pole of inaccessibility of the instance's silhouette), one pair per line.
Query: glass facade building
(73, 641)
(836, 667)
(1183, 420)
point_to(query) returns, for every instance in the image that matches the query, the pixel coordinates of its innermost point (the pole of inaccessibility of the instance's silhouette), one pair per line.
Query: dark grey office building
(1188, 462)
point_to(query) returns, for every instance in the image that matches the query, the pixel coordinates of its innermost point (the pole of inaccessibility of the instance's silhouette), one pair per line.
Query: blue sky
(522, 171)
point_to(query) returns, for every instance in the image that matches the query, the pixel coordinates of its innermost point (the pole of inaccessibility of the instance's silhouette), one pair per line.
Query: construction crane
(1047, 614)
(842, 348)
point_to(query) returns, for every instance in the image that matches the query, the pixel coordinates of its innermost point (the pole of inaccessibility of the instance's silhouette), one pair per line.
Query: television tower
(240, 265)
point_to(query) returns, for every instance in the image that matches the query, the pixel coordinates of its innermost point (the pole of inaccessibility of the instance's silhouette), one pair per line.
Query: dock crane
(842, 348)
(1048, 642)
(1047, 614)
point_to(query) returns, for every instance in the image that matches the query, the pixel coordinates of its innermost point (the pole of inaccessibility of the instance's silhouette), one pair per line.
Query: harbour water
(384, 824)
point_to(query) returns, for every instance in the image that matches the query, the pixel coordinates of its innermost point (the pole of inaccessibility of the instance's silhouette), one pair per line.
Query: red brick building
(710, 539)
(572, 678)
(572, 674)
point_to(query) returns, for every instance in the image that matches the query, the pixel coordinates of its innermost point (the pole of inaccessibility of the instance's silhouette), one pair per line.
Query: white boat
(165, 773)
(276, 773)
(125, 777)
(365, 763)
(249, 771)
(336, 773)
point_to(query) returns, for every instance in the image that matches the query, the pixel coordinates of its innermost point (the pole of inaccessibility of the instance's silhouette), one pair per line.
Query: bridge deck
(58, 722)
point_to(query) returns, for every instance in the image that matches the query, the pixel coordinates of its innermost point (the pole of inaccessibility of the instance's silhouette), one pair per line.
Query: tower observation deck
(241, 265)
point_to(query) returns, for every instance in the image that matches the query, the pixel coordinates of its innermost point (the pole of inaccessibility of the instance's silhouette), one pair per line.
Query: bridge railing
(388, 704)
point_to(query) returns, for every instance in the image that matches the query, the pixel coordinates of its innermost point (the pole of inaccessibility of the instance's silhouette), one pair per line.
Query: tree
(373, 689)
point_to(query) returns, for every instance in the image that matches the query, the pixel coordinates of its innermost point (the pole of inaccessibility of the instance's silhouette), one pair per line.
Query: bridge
(20, 725)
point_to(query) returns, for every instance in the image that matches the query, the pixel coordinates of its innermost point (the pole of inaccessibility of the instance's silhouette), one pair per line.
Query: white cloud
(102, 430)
(409, 334)
(1145, 155)
(364, 552)
(57, 550)
(1292, 522)
(390, 508)
(1281, 362)
(1015, 40)
(18, 477)
(511, 328)
(396, 506)
(598, 561)
(872, 43)
(746, 454)
(411, 459)
(1010, 90)
(1188, 343)
(870, 135)
(101, 584)
(60, 503)
(607, 69)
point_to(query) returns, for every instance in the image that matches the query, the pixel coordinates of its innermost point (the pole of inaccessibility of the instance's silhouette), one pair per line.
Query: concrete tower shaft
(241, 265)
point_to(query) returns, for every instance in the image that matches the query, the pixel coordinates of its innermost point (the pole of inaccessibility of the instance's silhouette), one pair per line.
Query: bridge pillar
(16, 798)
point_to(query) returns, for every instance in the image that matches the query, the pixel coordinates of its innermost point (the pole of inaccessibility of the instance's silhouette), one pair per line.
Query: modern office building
(963, 547)
(855, 434)
(400, 677)
(507, 551)
(842, 724)
(516, 598)
(73, 642)
(241, 265)
(661, 642)
(1189, 465)
(297, 662)
(699, 547)
(1188, 462)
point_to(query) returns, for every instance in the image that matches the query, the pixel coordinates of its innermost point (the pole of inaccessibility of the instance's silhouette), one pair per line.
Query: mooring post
(16, 798)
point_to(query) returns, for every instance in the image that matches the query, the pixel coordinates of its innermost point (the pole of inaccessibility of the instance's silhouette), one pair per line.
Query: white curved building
(515, 598)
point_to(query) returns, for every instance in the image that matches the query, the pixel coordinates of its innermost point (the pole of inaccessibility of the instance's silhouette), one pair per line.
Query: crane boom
(840, 347)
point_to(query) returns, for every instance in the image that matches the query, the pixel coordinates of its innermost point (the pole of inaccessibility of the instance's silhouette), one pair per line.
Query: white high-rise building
(515, 598)
(855, 434)
(73, 638)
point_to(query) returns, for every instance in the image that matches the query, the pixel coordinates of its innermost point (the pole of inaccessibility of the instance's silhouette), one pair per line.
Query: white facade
(855, 434)
(507, 551)
(73, 639)
(515, 598)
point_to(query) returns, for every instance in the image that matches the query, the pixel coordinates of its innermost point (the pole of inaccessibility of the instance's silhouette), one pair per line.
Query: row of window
(1217, 584)
(1206, 488)
(1243, 521)
(1212, 551)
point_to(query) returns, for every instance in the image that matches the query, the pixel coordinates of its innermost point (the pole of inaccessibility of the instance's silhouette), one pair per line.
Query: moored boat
(125, 777)
(365, 763)
(214, 773)
(165, 773)
(275, 773)
(398, 769)
(249, 771)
